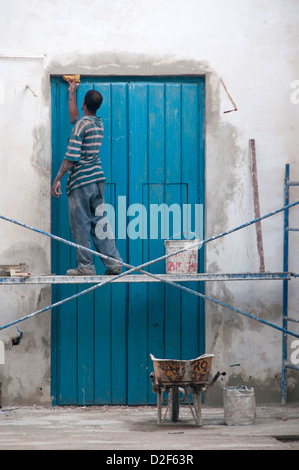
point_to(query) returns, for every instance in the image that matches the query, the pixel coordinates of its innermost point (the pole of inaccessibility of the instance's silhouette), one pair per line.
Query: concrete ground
(119, 428)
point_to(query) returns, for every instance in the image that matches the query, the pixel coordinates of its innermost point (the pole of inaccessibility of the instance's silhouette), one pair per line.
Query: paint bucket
(239, 406)
(185, 262)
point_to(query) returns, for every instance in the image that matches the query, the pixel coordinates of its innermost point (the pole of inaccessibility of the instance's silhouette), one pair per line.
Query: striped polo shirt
(83, 148)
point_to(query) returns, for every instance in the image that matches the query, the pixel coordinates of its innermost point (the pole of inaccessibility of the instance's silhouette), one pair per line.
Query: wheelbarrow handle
(215, 378)
(154, 385)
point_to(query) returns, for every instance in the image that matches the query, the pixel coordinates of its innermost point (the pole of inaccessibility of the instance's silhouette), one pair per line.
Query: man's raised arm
(73, 110)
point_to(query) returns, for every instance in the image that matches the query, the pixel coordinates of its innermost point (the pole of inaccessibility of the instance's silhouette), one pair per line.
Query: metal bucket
(185, 262)
(239, 406)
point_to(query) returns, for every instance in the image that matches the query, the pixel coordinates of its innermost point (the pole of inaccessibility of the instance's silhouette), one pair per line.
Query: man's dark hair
(93, 100)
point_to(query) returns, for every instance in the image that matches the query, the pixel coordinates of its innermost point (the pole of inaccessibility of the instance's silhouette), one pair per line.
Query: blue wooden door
(153, 158)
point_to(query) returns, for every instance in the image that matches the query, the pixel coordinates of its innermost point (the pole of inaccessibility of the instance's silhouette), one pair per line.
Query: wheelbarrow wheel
(174, 397)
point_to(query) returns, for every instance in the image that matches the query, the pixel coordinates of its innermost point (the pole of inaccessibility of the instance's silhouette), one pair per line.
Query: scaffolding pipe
(139, 268)
(190, 291)
(285, 288)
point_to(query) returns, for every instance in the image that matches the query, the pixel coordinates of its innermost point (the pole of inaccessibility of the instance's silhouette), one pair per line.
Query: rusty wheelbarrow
(174, 376)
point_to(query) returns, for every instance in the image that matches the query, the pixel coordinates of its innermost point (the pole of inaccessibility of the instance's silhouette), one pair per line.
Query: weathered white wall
(253, 46)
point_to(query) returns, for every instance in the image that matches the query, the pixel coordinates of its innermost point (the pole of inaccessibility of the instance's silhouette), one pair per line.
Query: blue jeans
(87, 220)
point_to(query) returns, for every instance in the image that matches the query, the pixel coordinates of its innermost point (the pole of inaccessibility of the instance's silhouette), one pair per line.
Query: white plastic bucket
(239, 406)
(185, 262)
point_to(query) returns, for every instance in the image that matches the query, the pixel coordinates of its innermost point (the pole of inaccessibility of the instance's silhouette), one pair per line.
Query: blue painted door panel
(152, 154)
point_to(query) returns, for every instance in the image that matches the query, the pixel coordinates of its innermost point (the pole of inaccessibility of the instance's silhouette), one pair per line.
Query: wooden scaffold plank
(53, 279)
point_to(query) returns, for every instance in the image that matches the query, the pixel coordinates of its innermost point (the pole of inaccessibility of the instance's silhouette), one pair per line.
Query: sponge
(71, 78)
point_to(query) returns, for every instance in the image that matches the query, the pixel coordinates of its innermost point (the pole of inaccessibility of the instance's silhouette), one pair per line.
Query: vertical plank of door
(201, 200)
(85, 308)
(156, 291)
(68, 311)
(85, 347)
(102, 295)
(119, 171)
(172, 175)
(190, 174)
(137, 308)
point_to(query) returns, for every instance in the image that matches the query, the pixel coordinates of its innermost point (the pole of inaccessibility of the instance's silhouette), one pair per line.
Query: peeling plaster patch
(29, 253)
(223, 181)
(271, 393)
(224, 319)
(26, 375)
(40, 158)
(22, 300)
(122, 63)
